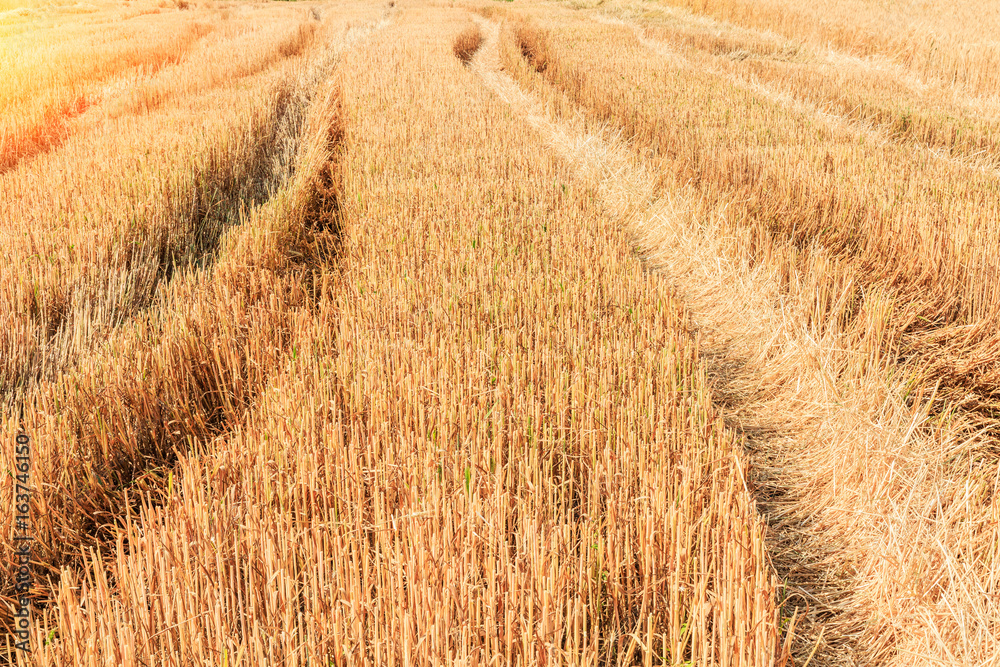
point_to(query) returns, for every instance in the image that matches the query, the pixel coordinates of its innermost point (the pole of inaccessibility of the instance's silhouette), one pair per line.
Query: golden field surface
(463, 332)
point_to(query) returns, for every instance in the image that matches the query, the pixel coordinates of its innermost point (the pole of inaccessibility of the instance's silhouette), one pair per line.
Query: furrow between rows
(818, 440)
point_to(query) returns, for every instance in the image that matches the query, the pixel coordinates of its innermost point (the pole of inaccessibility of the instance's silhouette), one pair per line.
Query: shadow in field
(221, 342)
(811, 599)
(220, 191)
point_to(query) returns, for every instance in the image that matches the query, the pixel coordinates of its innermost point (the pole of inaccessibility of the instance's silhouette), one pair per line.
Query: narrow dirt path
(841, 466)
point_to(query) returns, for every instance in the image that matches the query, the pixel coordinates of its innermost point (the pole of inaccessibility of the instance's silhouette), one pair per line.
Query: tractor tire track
(777, 379)
(55, 337)
(875, 132)
(223, 333)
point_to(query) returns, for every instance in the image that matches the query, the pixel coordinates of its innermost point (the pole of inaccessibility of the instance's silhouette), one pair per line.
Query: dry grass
(879, 94)
(189, 304)
(621, 335)
(533, 44)
(467, 43)
(151, 188)
(869, 439)
(47, 84)
(447, 447)
(133, 65)
(947, 42)
(907, 220)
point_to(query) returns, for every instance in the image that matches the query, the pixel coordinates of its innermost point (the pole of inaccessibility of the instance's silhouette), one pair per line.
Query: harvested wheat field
(464, 332)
